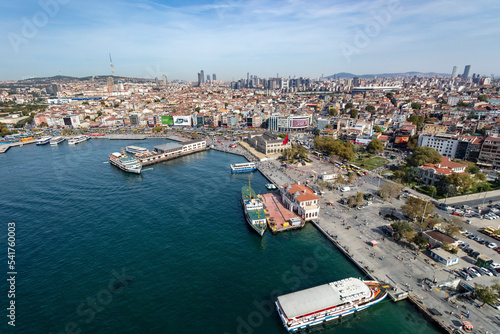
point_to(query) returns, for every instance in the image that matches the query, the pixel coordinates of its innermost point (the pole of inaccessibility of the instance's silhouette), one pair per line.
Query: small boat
(271, 186)
(56, 140)
(135, 149)
(43, 141)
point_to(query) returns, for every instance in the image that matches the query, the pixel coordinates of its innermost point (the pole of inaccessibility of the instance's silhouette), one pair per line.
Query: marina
(170, 151)
(124, 220)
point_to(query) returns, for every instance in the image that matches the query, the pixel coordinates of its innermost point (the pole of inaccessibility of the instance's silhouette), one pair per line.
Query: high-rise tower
(202, 76)
(454, 73)
(466, 72)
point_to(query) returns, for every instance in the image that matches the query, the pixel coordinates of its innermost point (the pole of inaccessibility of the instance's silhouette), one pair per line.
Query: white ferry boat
(56, 140)
(43, 141)
(135, 149)
(77, 140)
(326, 302)
(253, 209)
(125, 163)
(244, 167)
(271, 186)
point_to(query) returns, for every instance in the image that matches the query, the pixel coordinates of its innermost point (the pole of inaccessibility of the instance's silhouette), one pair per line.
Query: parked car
(484, 271)
(473, 272)
(475, 254)
(464, 275)
(492, 245)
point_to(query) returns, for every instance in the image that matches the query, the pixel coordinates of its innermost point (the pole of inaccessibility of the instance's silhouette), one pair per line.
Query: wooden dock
(125, 137)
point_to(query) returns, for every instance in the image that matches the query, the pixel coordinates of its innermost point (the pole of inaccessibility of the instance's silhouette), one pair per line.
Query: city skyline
(294, 38)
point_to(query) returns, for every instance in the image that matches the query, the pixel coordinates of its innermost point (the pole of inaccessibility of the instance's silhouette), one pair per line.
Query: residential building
(431, 174)
(489, 157)
(445, 144)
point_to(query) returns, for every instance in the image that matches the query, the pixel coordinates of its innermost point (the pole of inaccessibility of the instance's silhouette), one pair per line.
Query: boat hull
(329, 315)
(249, 220)
(125, 169)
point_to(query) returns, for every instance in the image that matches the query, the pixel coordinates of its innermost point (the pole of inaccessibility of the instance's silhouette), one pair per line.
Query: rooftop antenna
(111, 64)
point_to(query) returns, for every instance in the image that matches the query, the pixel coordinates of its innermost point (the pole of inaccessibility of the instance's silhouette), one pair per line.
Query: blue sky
(233, 37)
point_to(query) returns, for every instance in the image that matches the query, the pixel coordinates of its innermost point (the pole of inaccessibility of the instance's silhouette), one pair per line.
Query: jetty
(171, 151)
(278, 217)
(125, 137)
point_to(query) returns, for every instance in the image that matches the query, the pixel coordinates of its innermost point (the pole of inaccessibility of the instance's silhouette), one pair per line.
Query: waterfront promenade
(408, 273)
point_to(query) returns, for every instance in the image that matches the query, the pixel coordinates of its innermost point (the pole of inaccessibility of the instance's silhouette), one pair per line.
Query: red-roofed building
(433, 173)
(300, 199)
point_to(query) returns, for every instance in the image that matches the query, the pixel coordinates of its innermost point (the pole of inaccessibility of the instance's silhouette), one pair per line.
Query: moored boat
(253, 209)
(326, 302)
(271, 186)
(125, 163)
(244, 167)
(56, 140)
(43, 141)
(77, 139)
(135, 149)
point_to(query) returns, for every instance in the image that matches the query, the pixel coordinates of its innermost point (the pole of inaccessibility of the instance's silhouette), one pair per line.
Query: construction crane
(111, 64)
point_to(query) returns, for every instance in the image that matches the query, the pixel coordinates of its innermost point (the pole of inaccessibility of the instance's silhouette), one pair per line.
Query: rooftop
(322, 297)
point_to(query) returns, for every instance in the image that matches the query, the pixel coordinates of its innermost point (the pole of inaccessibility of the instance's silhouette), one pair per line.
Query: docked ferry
(77, 140)
(244, 167)
(326, 302)
(43, 141)
(253, 209)
(125, 163)
(135, 149)
(56, 140)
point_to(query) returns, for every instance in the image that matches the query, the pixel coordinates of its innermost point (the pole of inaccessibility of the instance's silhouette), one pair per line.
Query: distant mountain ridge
(345, 75)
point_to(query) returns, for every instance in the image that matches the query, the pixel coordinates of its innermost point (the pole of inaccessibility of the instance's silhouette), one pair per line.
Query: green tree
(480, 176)
(416, 120)
(349, 105)
(416, 106)
(433, 190)
(375, 146)
(359, 199)
(485, 294)
(377, 128)
(370, 108)
(389, 95)
(472, 168)
(423, 155)
(353, 113)
(333, 112)
(402, 229)
(389, 190)
(462, 104)
(463, 182)
(420, 241)
(329, 126)
(411, 175)
(351, 201)
(417, 208)
(451, 227)
(483, 98)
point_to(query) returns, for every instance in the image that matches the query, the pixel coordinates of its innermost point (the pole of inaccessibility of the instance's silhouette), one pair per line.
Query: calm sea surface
(168, 251)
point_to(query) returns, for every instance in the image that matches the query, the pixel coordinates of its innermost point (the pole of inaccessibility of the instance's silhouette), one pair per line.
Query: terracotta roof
(304, 193)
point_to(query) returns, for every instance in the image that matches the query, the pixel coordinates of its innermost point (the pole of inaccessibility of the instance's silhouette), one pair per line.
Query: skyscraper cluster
(465, 75)
(201, 78)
